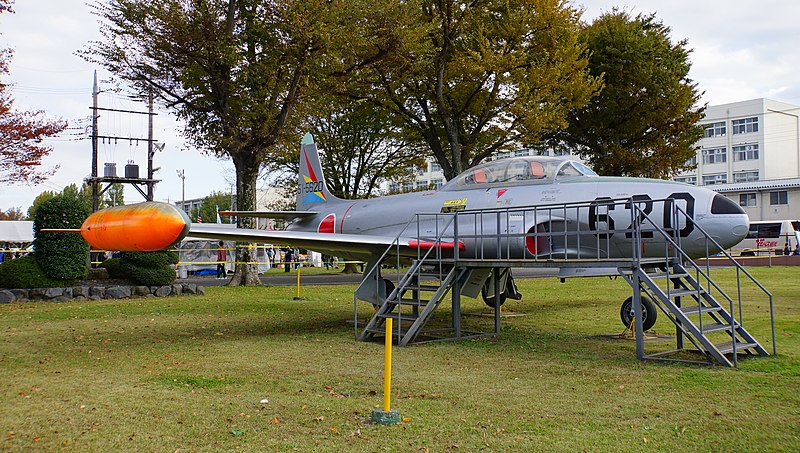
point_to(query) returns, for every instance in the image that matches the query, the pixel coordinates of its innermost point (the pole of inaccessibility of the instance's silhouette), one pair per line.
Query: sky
(741, 50)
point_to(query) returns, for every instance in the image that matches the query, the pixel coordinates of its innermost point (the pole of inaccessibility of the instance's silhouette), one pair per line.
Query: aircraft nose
(733, 225)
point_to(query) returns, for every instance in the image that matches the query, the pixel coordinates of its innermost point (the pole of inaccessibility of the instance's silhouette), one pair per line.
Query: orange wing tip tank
(142, 227)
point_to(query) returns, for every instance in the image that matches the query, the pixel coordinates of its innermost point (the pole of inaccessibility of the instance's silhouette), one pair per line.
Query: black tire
(490, 301)
(649, 309)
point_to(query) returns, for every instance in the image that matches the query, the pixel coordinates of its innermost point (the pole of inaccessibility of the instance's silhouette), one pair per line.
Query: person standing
(287, 261)
(222, 257)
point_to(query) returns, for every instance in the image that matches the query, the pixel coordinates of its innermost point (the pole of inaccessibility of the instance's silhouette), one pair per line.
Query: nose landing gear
(649, 312)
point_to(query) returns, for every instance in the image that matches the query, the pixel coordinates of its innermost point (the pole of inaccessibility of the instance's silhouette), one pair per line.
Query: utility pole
(110, 177)
(95, 193)
(150, 152)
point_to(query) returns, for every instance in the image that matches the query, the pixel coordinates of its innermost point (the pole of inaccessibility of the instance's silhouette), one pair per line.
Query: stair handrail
(396, 243)
(698, 269)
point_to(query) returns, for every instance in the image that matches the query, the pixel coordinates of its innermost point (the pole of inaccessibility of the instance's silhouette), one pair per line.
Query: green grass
(189, 374)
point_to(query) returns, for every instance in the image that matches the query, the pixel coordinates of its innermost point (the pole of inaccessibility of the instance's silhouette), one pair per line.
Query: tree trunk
(245, 274)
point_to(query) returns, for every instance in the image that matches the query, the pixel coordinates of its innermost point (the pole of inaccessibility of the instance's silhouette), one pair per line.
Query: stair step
(695, 309)
(717, 327)
(684, 292)
(727, 347)
(418, 303)
(404, 317)
(660, 275)
(421, 287)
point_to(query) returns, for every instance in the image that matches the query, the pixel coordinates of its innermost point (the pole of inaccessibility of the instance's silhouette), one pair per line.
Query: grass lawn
(250, 369)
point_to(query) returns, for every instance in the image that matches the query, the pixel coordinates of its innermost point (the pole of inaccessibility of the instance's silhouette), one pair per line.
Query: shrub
(149, 268)
(61, 256)
(114, 268)
(24, 272)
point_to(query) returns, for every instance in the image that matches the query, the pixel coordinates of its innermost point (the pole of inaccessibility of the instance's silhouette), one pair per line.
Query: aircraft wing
(283, 215)
(345, 244)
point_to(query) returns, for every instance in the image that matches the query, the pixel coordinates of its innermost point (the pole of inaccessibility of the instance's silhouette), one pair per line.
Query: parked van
(769, 237)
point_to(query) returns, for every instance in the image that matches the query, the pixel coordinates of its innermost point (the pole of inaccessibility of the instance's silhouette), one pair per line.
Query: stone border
(96, 292)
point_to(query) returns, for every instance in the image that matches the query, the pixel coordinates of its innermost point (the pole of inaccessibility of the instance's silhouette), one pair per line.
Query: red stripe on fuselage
(344, 216)
(439, 245)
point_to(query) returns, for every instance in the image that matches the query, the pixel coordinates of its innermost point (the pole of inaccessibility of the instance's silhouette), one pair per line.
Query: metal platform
(707, 320)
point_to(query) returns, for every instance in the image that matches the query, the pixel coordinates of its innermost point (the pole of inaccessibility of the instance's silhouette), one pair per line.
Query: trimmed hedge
(149, 268)
(61, 256)
(24, 272)
(114, 268)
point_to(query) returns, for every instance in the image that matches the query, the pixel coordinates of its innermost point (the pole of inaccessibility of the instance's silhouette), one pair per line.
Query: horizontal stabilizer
(283, 215)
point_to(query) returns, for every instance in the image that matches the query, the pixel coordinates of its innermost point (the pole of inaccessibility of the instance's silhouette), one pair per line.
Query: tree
(644, 122)
(22, 133)
(41, 198)
(359, 149)
(482, 76)
(217, 201)
(12, 214)
(233, 70)
(113, 196)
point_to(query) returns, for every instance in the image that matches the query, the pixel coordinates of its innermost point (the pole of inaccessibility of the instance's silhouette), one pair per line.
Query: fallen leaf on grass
(275, 420)
(237, 432)
(406, 419)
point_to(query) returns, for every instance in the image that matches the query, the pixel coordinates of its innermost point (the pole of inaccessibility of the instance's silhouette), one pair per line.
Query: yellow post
(387, 416)
(387, 367)
(297, 297)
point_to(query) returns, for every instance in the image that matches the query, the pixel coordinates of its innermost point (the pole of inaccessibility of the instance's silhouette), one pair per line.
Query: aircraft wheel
(490, 301)
(649, 312)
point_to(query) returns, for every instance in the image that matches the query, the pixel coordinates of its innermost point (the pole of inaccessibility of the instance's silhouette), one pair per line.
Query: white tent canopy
(16, 231)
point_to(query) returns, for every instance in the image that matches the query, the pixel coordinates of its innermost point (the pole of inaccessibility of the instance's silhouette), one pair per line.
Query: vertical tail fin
(311, 187)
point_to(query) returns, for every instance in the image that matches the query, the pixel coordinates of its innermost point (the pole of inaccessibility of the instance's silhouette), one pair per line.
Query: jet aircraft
(529, 208)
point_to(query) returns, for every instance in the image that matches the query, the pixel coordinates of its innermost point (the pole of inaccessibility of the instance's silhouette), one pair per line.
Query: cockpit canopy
(518, 171)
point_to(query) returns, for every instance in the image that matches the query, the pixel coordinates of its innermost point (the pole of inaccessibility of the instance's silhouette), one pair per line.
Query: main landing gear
(509, 289)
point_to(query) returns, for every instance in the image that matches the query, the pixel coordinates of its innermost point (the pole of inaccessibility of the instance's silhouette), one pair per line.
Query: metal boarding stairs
(711, 327)
(678, 287)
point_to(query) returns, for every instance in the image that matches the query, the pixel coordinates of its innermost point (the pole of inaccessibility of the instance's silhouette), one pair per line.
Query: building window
(715, 129)
(437, 183)
(522, 152)
(747, 199)
(714, 156)
(408, 187)
(710, 180)
(435, 166)
(421, 185)
(691, 162)
(745, 152)
(780, 197)
(686, 179)
(745, 125)
(745, 176)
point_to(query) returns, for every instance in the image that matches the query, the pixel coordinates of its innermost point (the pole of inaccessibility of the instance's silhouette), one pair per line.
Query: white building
(747, 141)
(751, 153)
